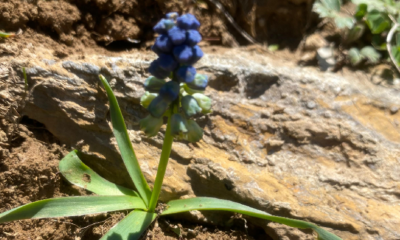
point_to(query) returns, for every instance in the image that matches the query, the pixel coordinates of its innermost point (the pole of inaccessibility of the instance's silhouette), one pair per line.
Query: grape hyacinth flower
(182, 97)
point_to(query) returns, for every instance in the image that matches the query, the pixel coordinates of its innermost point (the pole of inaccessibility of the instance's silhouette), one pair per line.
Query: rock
(326, 58)
(336, 165)
(394, 109)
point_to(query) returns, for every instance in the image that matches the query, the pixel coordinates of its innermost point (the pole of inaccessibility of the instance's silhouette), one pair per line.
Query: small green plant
(381, 17)
(178, 100)
(6, 35)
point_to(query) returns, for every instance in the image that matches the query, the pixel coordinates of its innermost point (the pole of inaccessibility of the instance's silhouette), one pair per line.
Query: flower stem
(162, 167)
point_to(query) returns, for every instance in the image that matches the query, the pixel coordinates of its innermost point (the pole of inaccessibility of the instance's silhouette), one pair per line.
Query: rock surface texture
(291, 141)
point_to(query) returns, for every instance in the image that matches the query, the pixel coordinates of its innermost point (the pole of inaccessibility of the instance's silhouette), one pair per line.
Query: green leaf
(397, 39)
(355, 33)
(72, 206)
(378, 42)
(377, 22)
(396, 54)
(204, 203)
(131, 227)
(322, 11)
(355, 56)
(371, 54)
(76, 172)
(125, 145)
(343, 21)
(333, 5)
(273, 47)
(361, 11)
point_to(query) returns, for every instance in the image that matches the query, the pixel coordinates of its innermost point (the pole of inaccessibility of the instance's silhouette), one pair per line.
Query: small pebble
(394, 109)
(311, 104)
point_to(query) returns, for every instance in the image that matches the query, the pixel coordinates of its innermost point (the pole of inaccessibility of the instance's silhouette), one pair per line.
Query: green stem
(162, 166)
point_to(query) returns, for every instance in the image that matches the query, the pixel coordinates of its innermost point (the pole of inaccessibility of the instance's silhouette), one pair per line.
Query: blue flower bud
(157, 71)
(193, 37)
(199, 83)
(190, 106)
(163, 26)
(155, 49)
(185, 74)
(151, 125)
(163, 43)
(167, 62)
(177, 35)
(195, 133)
(178, 125)
(188, 21)
(172, 15)
(203, 101)
(158, 106)
(169, 91)
(183, 54)
(197, 54)
(153, 84)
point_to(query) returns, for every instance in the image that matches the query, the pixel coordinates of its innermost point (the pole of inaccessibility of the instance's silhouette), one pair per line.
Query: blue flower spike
(187, 22)
(170, 91)
(182, 97)
(172, 15)
(193, 37)
(183, 54)
(163, 26)
(185, 74)
(177, 35)
(157, 71)
(164, 43)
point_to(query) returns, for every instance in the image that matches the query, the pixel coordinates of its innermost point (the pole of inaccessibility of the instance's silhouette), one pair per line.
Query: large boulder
(292, 141)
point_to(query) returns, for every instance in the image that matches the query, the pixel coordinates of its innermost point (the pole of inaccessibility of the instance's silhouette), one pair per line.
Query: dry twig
(389, 42)
(232, 21)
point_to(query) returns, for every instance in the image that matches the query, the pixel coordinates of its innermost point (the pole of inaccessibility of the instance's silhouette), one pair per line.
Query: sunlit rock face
(291, 141)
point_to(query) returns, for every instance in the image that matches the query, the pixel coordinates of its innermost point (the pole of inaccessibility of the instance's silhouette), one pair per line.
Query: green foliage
(377, 21)
(374, 15)
(205, 203)
(72, 206)
(131, 227)
(6, 35)
(115, 198)
(77, 173)
(125, 145)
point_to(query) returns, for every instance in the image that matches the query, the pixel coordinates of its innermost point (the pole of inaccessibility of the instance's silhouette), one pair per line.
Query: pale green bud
(146, 99)
(178, 125)
(151, 125)
(195, 133)
(190, 106)
(153, 84)
(190, 90)
(203, 101)
(158, 107)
